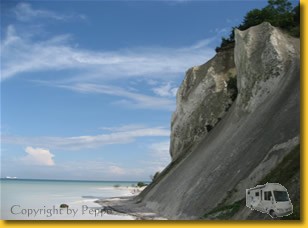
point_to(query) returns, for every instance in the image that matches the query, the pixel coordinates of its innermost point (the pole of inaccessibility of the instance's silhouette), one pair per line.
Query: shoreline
(128, 206)
(57, 201)
(113, 214)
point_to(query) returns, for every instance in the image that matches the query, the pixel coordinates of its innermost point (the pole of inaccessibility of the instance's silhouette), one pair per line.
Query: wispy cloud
(87, 141)
(25, 12)
(89, 71)
(38, 156)
(129, 99)
(23, 55)
(222, 31)
(122, 128)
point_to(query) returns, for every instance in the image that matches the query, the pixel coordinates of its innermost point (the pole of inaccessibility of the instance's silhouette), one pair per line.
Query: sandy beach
(42, 199)
(129, 206)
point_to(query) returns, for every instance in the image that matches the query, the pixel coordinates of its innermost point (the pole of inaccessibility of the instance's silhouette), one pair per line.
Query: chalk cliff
(203, 99)
(253, 135)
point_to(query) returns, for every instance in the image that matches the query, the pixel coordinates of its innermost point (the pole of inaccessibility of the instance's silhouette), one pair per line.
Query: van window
(267, 195)
(281, 196)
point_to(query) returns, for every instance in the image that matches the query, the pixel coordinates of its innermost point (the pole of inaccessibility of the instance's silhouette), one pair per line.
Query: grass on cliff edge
(283, 174)
(286, 169)
(225, 212)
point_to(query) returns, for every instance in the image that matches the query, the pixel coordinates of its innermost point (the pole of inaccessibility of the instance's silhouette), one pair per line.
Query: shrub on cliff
(155, 176)
(141, 184)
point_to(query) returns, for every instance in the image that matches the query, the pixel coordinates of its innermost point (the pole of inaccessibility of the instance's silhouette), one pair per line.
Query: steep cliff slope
(256, 140)
(258, 131)
(203, 99)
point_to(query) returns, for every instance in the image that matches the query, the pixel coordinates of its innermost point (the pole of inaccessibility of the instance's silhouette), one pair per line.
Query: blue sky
(88, 87)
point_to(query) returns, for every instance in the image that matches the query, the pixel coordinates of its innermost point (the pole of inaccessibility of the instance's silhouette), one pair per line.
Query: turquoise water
(41, 199)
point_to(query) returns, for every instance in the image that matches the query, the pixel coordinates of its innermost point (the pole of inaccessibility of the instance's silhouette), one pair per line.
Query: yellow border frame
(251, 224)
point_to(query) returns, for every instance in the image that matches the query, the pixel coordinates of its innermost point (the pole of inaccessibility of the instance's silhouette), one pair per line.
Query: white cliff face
(202, 101)
(204, 96)
(254, 134)
(261, 65)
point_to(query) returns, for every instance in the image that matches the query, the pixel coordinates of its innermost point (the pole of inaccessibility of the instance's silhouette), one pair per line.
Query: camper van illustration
(271, 198)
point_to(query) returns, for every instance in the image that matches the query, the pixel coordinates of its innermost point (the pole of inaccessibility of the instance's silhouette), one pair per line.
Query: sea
(23, 199)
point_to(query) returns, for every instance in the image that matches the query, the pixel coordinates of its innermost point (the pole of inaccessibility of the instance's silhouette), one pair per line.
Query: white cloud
(222, 31)
(23, 55)
(131, 99)
(165, 90)
(25, 12)
(90, 70)
(38, 156)
(88, 141)
(201, 44)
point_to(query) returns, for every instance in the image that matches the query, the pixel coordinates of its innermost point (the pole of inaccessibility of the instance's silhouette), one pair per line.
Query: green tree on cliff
(278, 12)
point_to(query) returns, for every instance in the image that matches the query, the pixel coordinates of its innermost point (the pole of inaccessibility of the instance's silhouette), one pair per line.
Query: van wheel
(273, 214)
